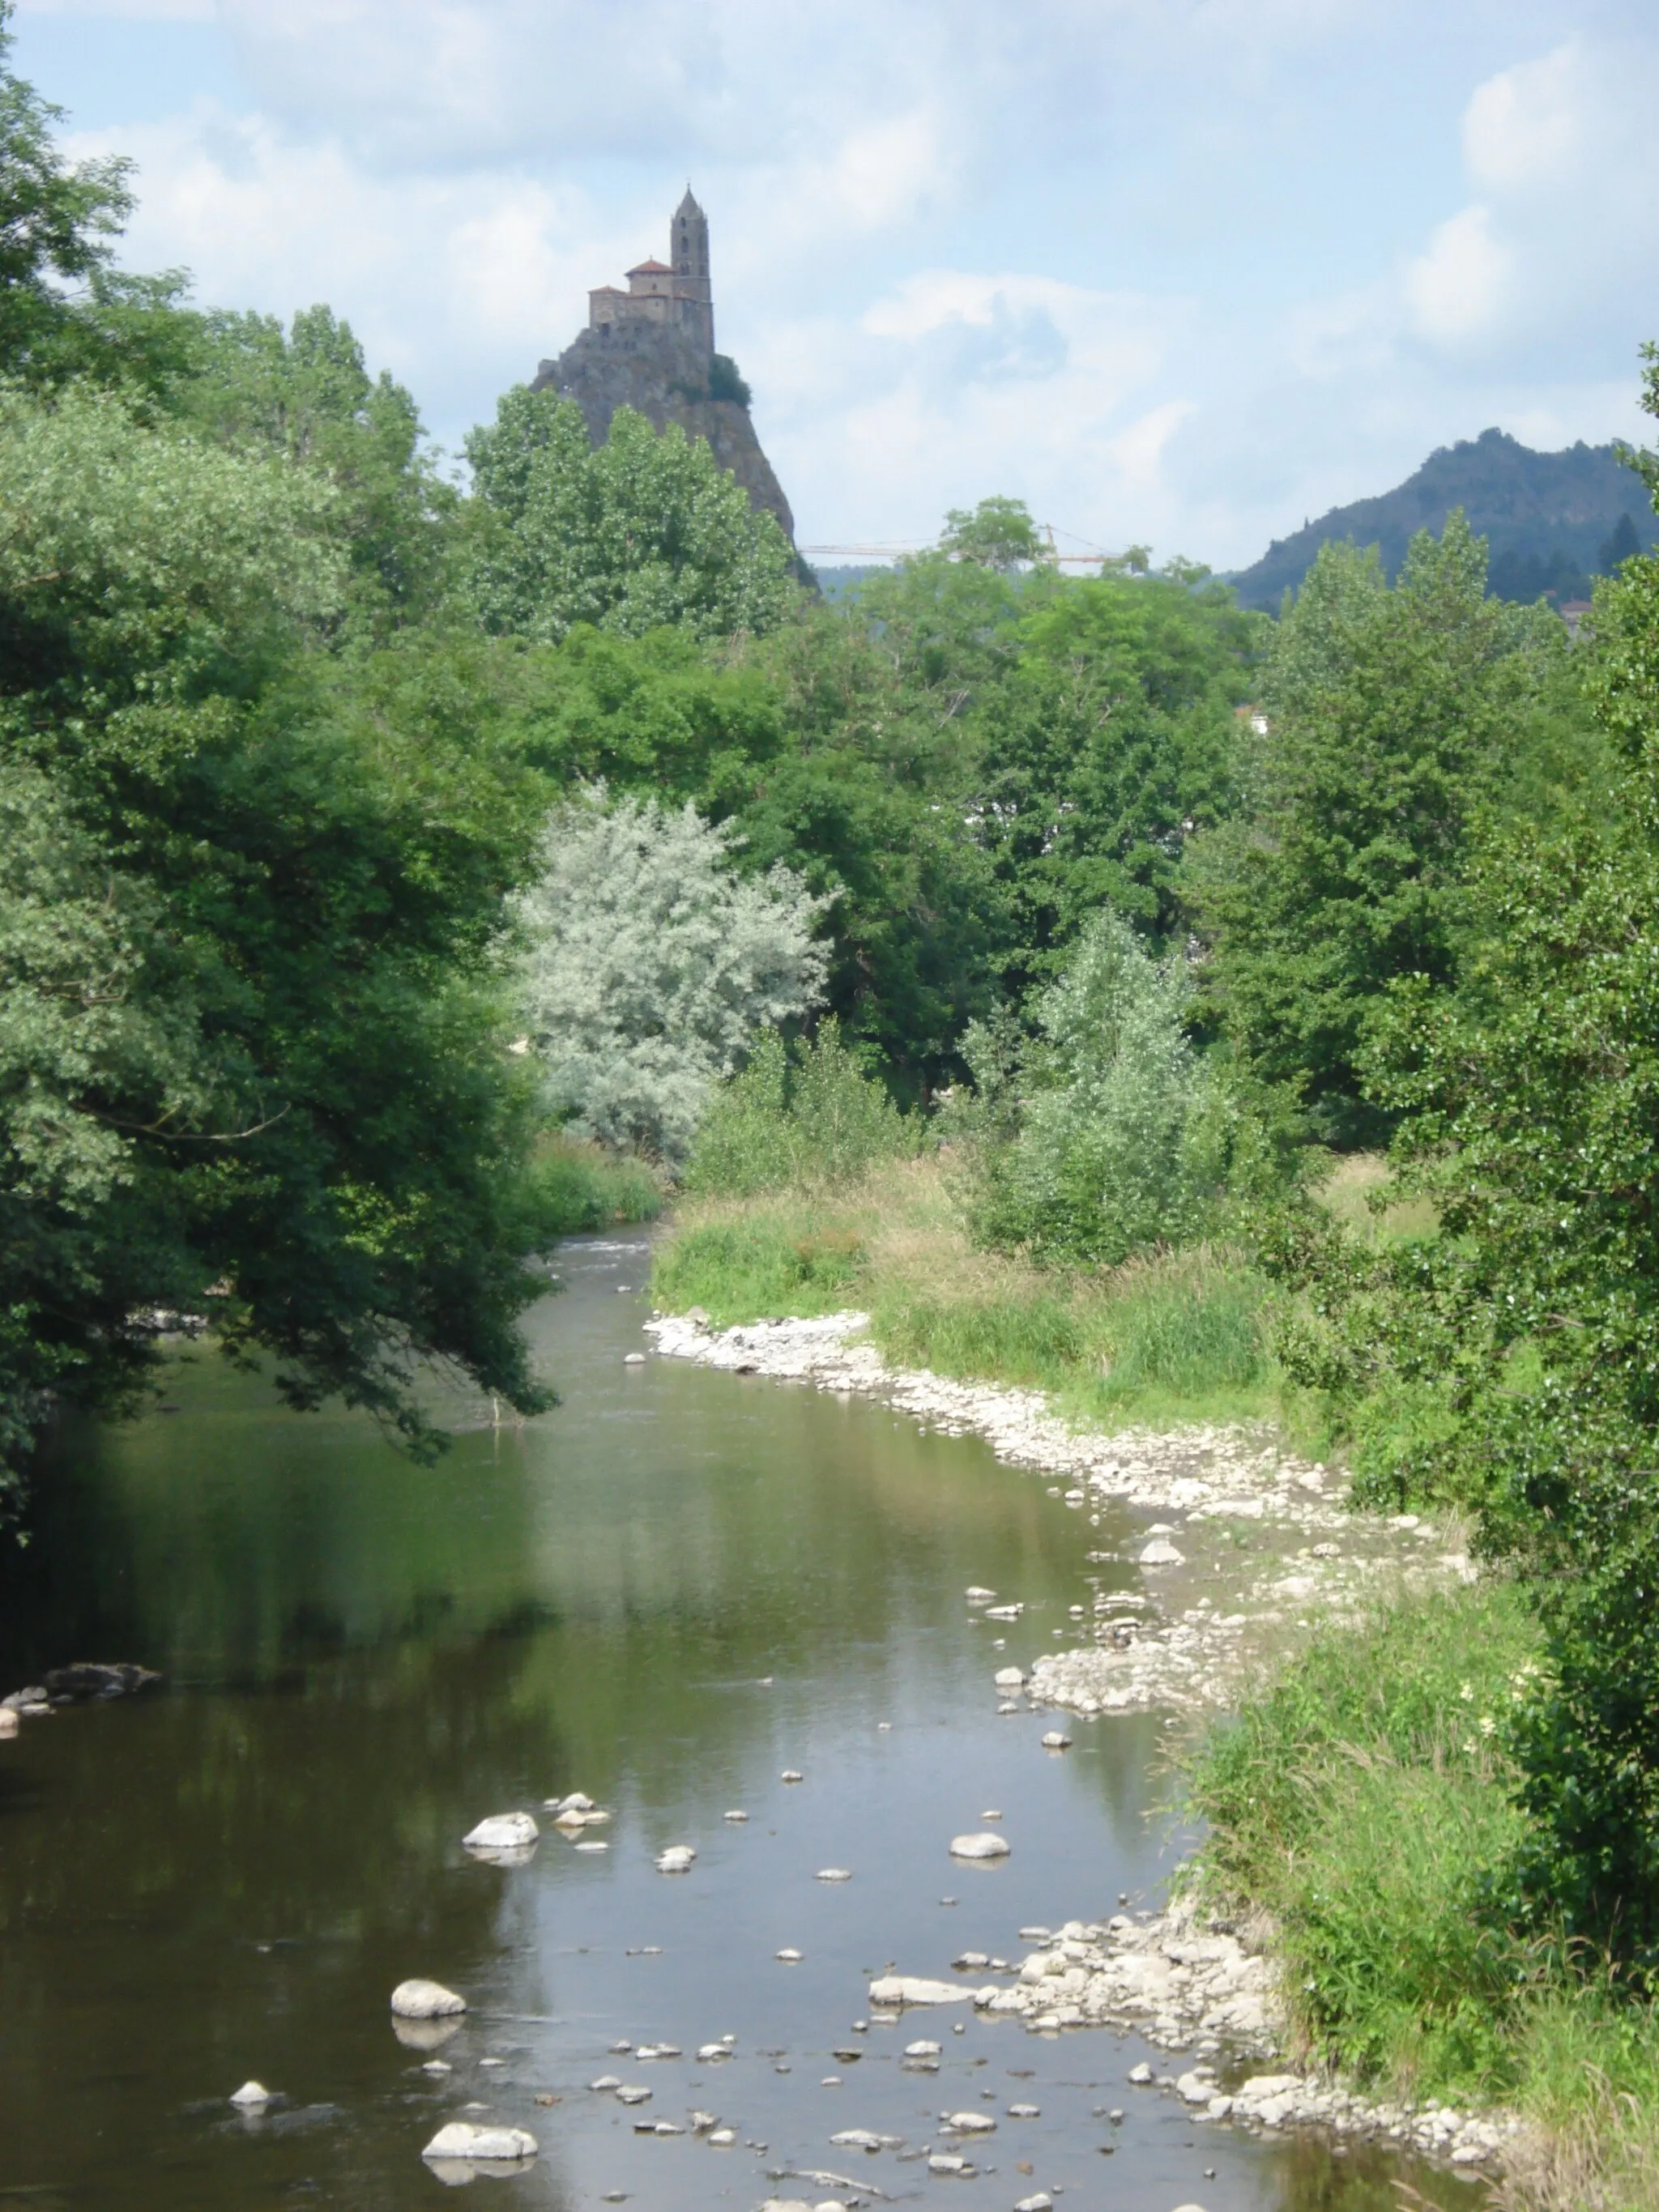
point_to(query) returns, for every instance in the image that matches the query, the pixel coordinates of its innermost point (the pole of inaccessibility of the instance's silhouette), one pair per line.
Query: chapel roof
(651, 269)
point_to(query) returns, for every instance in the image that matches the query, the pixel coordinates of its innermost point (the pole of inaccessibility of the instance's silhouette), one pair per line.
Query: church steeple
(687, 255)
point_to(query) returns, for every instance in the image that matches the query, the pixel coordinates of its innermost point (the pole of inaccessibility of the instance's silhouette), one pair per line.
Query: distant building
(678, 291)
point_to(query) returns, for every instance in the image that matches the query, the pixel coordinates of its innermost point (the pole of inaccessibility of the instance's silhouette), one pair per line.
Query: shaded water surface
(666, 1594)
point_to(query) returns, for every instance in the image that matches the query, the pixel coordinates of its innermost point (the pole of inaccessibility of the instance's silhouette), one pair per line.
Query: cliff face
(662, 372)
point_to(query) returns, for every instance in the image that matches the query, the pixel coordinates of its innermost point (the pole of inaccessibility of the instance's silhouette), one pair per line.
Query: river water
(666, 1594)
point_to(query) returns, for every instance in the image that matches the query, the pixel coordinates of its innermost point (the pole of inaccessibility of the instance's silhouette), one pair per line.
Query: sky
(1176, 272)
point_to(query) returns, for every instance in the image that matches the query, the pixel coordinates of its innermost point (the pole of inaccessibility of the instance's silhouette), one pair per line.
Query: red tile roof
(652, 269)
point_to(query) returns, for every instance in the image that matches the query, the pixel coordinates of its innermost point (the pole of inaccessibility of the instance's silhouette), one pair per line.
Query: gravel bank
(1252, 1544)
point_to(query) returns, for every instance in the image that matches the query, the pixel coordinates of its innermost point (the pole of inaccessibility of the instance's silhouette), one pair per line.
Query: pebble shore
(1272, 1547)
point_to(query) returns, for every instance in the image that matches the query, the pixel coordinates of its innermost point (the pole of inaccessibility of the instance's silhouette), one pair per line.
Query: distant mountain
(1553, 520)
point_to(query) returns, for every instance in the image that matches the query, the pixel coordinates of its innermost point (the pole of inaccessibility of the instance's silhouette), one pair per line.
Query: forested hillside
(1552, 521)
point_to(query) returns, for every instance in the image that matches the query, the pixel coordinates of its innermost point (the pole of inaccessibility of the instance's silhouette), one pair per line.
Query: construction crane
(894, 552)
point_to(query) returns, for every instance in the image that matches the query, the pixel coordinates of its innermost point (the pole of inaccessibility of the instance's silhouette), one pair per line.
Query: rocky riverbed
(1252, 1547)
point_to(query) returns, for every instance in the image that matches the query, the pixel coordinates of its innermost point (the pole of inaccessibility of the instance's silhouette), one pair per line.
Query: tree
(1620, 544)
(998, 534)
(1111, 741)
(1108, 1108)
(307, 395)
(643, 531)
(1389, 719)
(249, 1059)
(646, 966)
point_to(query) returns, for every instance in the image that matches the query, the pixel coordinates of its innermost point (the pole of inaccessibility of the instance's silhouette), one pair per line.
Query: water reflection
(663, 1595)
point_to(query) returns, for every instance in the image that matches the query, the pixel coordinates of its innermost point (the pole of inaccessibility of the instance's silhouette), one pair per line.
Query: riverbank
(1255, 1545)
(1256, 1571)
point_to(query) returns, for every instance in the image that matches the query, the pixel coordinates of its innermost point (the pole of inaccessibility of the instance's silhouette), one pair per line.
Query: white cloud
(1462, 286)
(1525, 130)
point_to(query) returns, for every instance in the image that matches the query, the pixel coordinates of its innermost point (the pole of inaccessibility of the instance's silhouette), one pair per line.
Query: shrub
(1114, 1149)
(808, 1115)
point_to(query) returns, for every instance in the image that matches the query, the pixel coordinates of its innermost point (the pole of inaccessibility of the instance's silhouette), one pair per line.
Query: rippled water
(665, 1594)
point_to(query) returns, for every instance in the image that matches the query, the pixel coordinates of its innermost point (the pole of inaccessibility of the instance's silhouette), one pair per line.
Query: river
(666, 1594)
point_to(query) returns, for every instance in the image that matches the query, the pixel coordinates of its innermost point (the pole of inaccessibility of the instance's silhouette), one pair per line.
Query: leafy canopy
(645, 531)
(646, 967)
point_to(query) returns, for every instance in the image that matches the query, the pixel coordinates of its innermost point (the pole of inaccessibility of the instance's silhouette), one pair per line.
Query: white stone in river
(1054, 1740)
(1196, 2088)
(975, 1595)
(1010, 1678)
(1141, 2075)
(502, 1831)
(723, 2138)
(633, 1359)
(992, 1814)
(708, 2052)
(856, 2139)
(946, 2162)
(912, 1989)
(676, 1859)
(606, 2081)
(460, 2139)
(1026, 2112)
(576, 1802)
(633, 2092)
(419, 2000)
(9, 1723)
(791, 1774)
(1160, 1552)
(594, 1846)
(833, 1873)
(437, 2066)
(789, 1957)
(1041, 2203)
(252, 2096)
(921, 2050)
(736, 1814)
(972, 2124)
(982, 1846)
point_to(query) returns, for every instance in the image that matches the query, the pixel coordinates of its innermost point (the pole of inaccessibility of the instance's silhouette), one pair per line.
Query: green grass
(757, 1264)
(1172, 1338)
(583, 1187)
(1363, 1802)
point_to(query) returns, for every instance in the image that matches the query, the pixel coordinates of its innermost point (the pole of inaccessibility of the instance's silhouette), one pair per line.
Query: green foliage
(763, 1265)
(1112, 741)
(262, 1047)
(582, 1186)
(998, 534)
(1186, 1332)
(305, 395)
(1364, 1801)
(807, 1114)
(648, 529)
(1387, 716)
(725, 383)
(1110, 1154)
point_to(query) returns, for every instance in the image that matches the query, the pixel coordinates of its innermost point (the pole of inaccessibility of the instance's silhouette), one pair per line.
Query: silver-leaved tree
(647, 966)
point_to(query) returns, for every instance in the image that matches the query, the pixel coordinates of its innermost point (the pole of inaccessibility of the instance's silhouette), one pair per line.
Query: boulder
(252, 2097)
(1010, 1678)
(502, 1831)
(421, 2000)
(461, 2140)
(984, 1845)
(9, 1723)
(1161, 1553)
(676, 1859)
(911, 1989)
